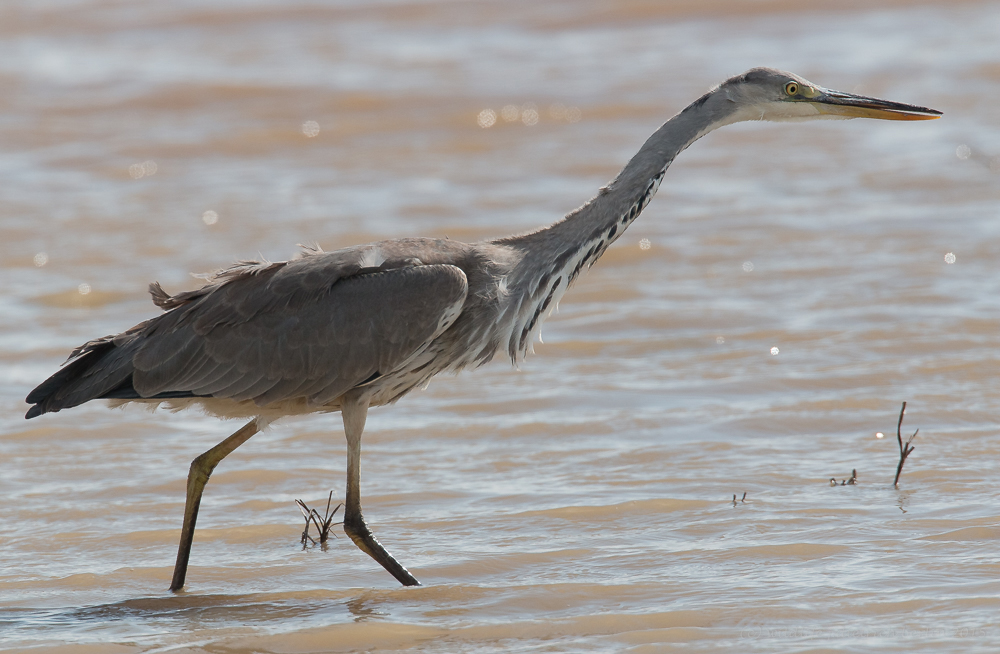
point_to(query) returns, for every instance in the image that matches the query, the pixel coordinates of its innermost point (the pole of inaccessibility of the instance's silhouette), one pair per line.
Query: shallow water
(585, 502)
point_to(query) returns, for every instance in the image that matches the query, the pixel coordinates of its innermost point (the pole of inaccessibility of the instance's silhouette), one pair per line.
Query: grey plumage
(364, 325)
(305, 330)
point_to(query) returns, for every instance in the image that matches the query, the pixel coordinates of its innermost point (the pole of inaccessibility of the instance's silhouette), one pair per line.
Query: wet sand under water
(585, 502)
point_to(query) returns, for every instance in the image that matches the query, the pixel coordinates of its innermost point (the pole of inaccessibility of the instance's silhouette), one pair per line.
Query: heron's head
(768, 94)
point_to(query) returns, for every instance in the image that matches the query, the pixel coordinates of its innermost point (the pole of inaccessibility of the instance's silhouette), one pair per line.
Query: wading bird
(363, 326)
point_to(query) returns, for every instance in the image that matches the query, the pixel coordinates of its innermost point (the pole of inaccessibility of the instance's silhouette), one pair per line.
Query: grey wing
(273, 339)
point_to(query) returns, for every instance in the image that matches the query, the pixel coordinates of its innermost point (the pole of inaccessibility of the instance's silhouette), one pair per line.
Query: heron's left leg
(201, 470)
(354, 413)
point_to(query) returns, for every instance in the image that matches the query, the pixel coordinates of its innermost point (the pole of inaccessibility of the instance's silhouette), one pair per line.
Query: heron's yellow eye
(791, 88)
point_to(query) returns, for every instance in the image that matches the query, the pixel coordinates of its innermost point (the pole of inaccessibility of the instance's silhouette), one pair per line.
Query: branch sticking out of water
(323, 524)
(904, 450)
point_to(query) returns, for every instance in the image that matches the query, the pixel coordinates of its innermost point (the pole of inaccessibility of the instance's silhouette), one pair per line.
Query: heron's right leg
(201, 470)
(354, 413)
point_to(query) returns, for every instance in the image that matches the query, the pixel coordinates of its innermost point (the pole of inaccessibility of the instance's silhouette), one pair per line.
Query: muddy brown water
(585, 502)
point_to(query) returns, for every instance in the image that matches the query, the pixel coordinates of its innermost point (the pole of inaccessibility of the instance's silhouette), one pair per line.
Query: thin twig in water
(307, 514)
(904, 450)
(323, 523)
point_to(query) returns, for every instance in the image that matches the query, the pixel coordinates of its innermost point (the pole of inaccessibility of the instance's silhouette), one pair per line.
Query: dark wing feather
(330, 342)
(297, 330)
(93, 369)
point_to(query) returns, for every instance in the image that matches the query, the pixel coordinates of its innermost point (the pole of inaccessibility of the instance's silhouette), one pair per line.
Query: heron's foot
(356, 527)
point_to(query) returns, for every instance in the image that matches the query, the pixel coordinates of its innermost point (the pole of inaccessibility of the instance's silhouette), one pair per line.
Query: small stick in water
(904, 450)
(307, 514)
(322, 524)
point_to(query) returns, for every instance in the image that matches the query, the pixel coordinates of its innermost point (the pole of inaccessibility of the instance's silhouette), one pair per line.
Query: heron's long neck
(555, 255)
(601, 221)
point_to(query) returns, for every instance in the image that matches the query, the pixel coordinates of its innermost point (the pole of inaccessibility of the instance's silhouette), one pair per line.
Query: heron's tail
(94, 370)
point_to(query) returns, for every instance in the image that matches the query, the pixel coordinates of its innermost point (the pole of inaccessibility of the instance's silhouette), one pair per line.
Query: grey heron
(363, 326)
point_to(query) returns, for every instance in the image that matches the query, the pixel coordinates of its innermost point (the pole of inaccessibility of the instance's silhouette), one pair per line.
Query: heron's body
(362, 326)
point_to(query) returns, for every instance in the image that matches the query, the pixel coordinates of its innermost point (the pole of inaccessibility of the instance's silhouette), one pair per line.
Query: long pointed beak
(859, 106)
